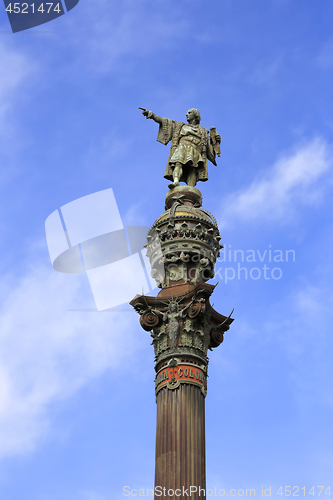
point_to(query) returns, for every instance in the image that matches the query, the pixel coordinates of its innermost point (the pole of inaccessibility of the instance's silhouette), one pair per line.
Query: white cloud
(47, 354)
(13, 70)
(309, 302)
(304, 333)
(106, 31)
(293, 179)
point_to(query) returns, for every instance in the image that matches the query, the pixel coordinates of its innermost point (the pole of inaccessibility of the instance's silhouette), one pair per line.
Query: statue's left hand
(218, 138)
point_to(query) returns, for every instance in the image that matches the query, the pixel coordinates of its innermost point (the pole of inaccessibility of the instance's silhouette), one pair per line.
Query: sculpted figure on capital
(173, 316)
(191, 146)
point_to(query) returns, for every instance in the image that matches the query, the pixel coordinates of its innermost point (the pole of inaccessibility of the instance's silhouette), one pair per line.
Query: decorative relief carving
(161, 345)
(186, 339)
(176, 273)
(197, 342)
(184, 234)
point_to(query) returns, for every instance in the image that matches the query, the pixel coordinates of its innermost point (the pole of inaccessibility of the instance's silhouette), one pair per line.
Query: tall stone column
(183, 245)
(180, 439)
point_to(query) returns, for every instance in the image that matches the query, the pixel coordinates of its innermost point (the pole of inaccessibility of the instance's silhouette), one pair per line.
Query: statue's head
(193, 114)
(173, 306)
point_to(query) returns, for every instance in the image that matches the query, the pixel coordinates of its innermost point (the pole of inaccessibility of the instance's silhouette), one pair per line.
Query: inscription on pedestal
(183, 373)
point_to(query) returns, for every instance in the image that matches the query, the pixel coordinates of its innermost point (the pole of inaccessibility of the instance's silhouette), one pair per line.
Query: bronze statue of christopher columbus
(191, 146)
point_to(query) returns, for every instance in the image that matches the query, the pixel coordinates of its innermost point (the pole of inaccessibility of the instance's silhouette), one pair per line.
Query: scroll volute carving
(149, 320)
(216, 337)
(196, 308)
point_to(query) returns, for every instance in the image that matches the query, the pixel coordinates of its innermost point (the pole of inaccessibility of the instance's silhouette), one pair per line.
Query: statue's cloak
(170, 130)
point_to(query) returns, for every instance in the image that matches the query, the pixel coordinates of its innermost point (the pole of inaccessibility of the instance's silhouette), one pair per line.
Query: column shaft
(180, 440)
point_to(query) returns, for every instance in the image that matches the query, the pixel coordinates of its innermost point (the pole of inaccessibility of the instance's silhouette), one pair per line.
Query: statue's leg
(177, 173)
(191, 177)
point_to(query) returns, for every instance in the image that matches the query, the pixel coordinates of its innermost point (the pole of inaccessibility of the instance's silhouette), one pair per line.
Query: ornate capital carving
(183, 327)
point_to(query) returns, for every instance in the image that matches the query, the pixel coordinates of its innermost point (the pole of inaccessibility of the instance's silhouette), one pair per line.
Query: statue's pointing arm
(166, 126)
(151, 115)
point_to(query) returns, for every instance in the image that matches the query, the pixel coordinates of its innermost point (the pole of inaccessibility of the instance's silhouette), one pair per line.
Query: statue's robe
(189, 148)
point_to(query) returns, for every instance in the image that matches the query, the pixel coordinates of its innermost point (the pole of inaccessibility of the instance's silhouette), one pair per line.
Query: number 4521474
(296, 491)
(26, 8)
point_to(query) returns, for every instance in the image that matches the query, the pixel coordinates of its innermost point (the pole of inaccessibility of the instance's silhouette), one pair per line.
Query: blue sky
(77, 409)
